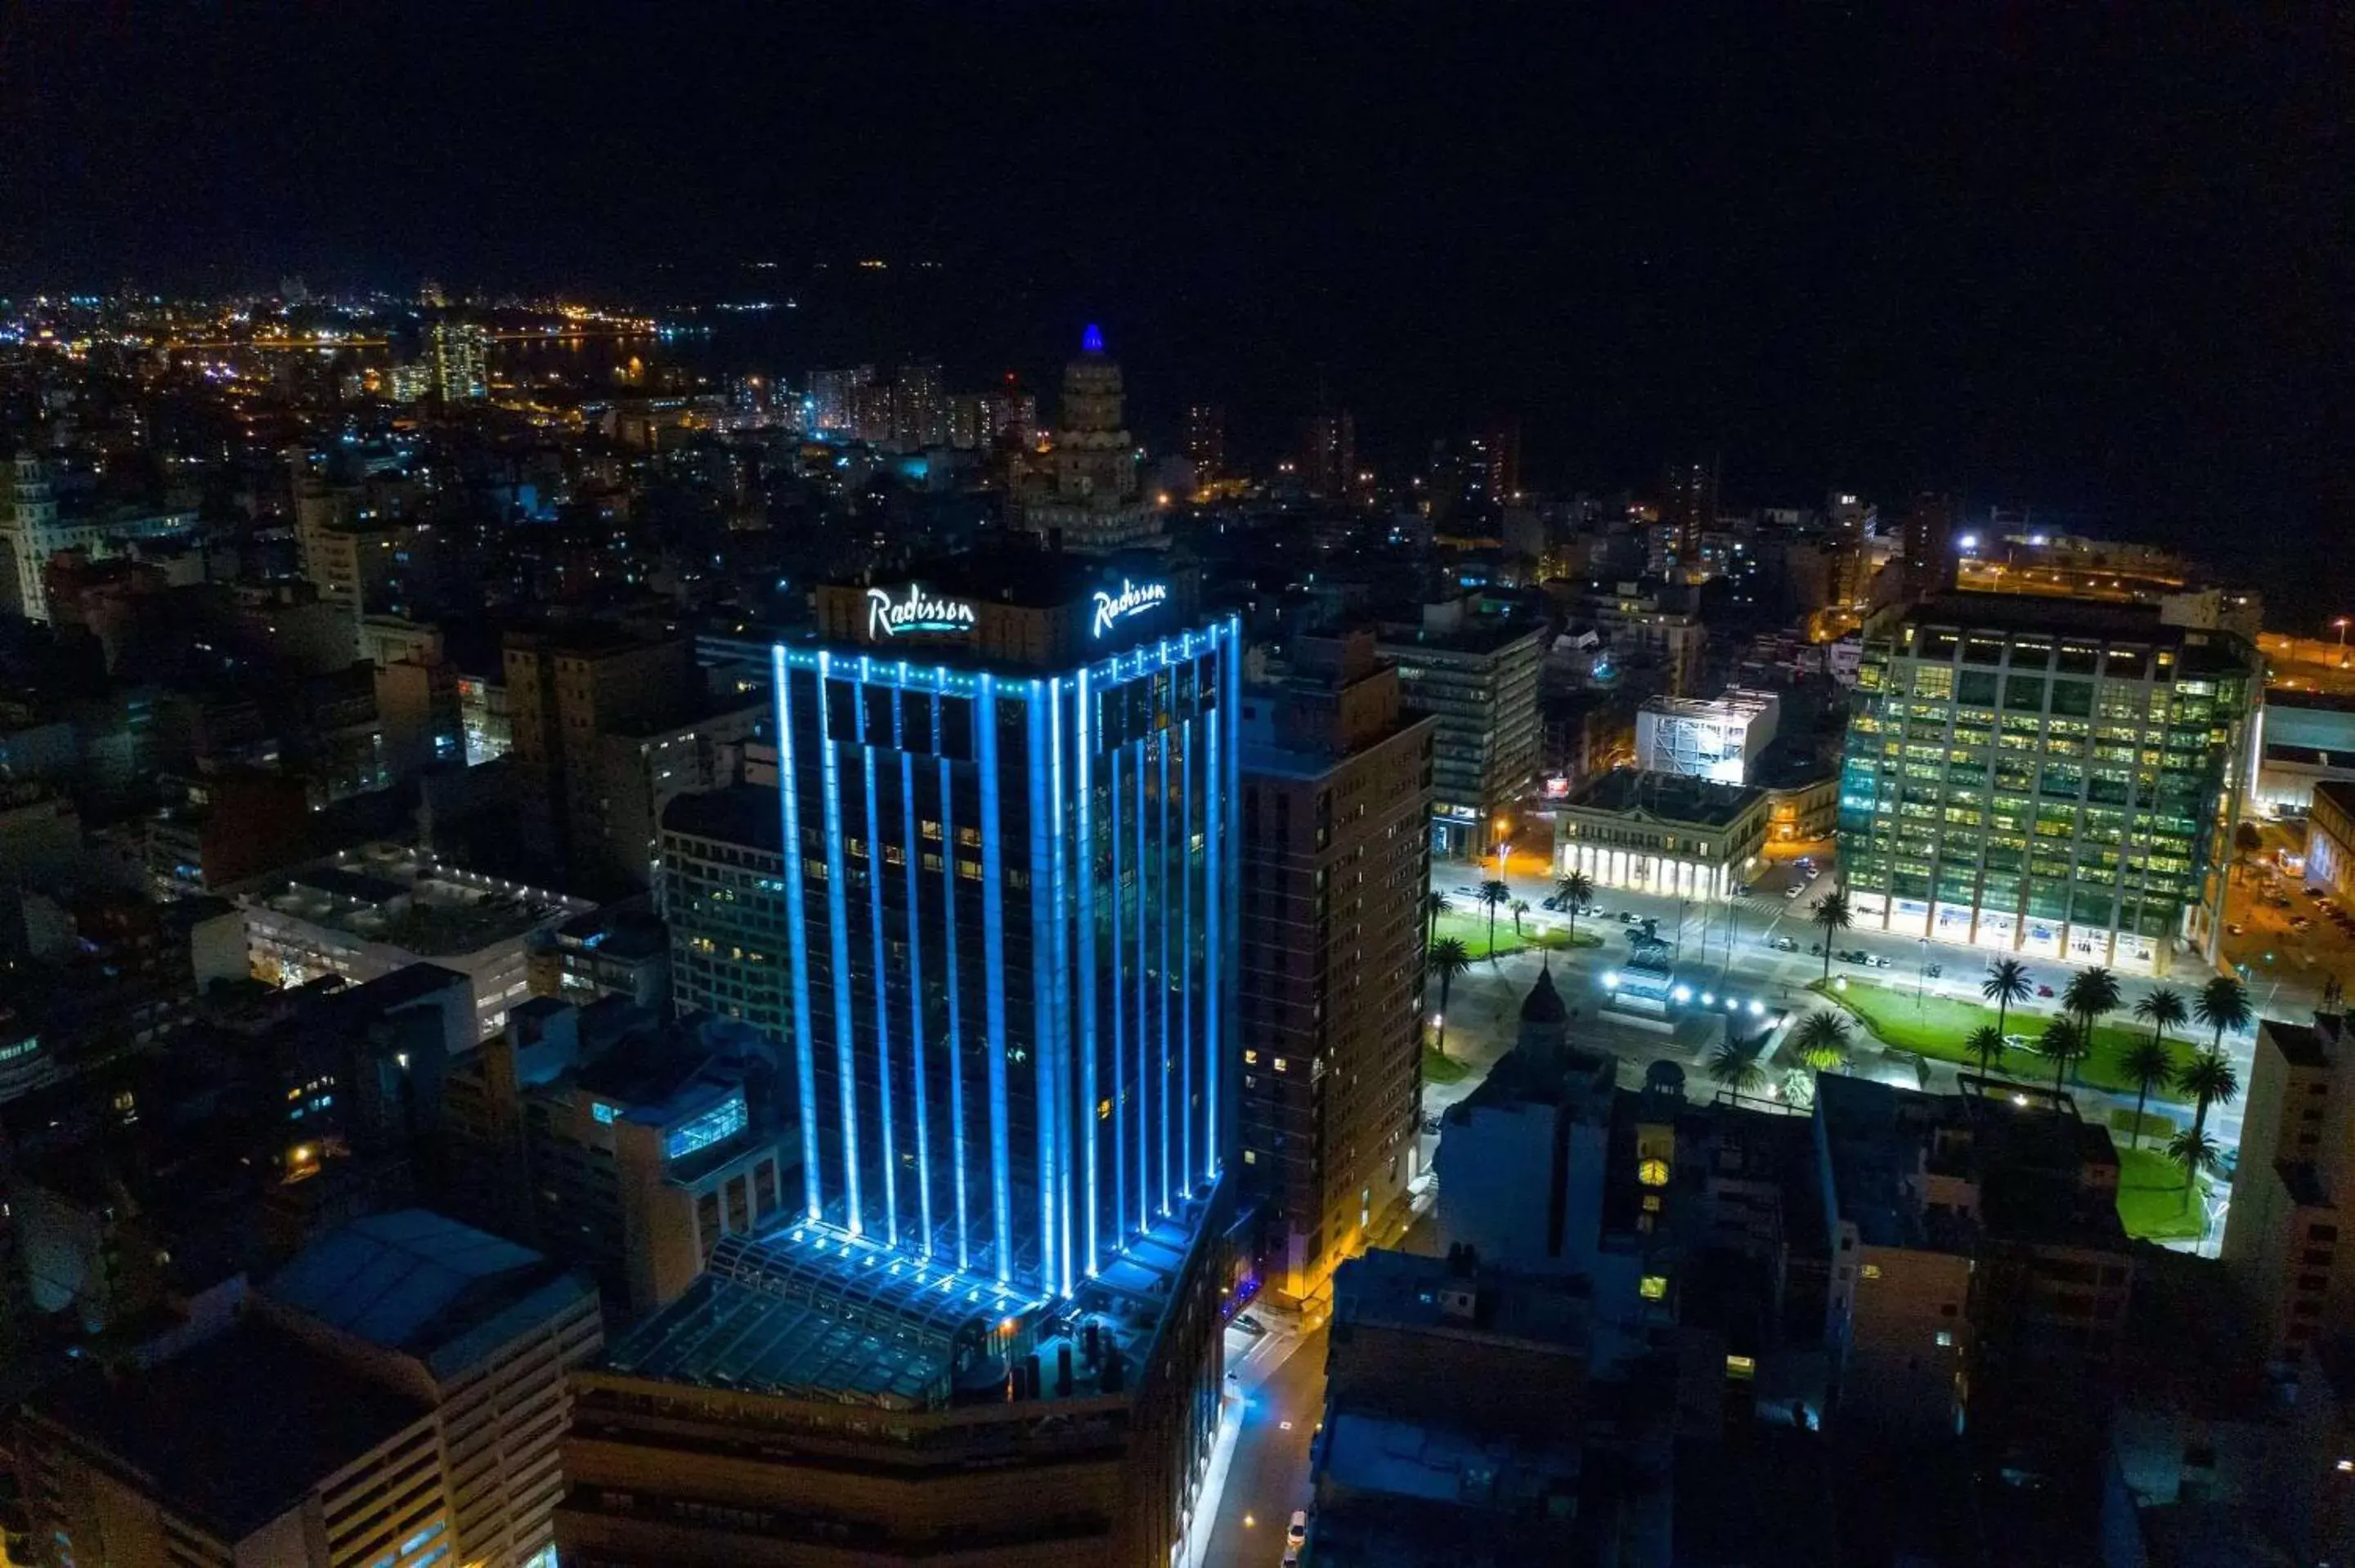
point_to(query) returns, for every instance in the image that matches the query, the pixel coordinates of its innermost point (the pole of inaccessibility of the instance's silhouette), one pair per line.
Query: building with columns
(1668, 833)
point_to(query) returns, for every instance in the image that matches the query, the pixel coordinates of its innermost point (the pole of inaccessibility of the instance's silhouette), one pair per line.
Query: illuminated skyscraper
(919, 407)
(1206, 442)
(460, 362)
(1009, 790)
(1689, 506)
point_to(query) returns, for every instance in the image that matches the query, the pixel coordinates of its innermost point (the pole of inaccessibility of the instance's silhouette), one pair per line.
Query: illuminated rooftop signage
(1134, 599)
(913, 613)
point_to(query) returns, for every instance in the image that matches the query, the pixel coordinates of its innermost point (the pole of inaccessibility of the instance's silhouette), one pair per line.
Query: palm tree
(2198, 1153)
(2146, 1062)
(2007, 981)
(2162, 1009)
(2209, 1079)
(2064, 1042)
(1435, 905)
(1832, 913)
(2090, 994)
(1736, 1067)
(2223, 1004)
(1822, 1040)
(1575, 891)
(2152, 1062)
(1520, 906)
(1494, 894)
(1448, 957)
(1985, 1042)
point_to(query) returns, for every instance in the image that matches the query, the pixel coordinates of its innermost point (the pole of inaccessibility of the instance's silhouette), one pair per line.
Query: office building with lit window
(989, 1312)
(2047, 777)
(1007, 793)
(1479, 680)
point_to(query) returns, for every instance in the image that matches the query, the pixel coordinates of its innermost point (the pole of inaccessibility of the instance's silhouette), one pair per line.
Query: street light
(2342, 624)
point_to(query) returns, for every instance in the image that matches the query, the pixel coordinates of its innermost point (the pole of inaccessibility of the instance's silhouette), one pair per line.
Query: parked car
(1250, 1325)
(1431, 1124)
(1472, 893)
(1298, 1531)
(2300, 923)
(2236, 930)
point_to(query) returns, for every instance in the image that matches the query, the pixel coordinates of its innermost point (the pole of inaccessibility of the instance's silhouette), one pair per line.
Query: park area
(1472, 931)
(2151, 1201)
(1936, 1026)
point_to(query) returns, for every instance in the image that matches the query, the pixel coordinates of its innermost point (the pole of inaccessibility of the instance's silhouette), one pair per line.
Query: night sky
(2095, 263)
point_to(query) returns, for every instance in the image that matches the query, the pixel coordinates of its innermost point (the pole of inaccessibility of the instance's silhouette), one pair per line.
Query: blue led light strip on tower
(1188, 975)
(1060, 911)
(1115, 925)
(1083, 797)
(1163, 1065)
(1043, 979)
(838, 917)
(796, 922)
(993, 937)
(955, 1041)
(1143, 1080)
(912, 850)
(884, 1106)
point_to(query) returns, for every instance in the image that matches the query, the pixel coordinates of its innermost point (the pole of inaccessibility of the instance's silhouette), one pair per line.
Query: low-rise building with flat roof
(1666, 833)
(365, 913)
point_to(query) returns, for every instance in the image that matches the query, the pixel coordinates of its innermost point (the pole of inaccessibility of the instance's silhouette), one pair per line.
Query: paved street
(1280, 1383)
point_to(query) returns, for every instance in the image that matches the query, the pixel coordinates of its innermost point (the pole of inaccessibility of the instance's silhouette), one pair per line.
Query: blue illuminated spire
(1092, 340)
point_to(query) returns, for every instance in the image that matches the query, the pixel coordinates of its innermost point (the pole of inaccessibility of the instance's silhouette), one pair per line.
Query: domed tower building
(1089, 494)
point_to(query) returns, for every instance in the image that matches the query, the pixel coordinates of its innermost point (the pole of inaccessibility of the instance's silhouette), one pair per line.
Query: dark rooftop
(2301, 1043)
(234, 1433)
(1671, 796)
(740, 814)
(411, 1281)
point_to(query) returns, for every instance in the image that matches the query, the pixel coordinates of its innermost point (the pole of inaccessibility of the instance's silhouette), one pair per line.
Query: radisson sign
(914, 614)
(1134, 599)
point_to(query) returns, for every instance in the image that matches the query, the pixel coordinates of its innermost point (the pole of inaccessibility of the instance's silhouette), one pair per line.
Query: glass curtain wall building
(2047, 777)
(1006, 794)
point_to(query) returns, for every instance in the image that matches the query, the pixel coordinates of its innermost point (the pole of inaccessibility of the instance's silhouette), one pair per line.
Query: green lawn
(2150, 1197)
(1472, 931)
(1938, 1025)
(1439, 1069)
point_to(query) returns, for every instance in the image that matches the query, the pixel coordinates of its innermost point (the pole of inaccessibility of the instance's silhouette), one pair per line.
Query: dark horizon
(2091, 263)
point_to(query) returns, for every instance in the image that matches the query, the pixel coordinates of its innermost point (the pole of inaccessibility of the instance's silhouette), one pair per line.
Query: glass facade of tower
(2045, 778)
(1012, 975)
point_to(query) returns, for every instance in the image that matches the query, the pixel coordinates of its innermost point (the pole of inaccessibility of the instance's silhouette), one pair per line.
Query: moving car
(1792, 891)
(1783, 944)
(2044, 992)
(1298, 1531)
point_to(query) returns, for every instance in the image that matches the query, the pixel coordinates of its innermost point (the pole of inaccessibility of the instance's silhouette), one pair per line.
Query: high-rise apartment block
(569, 688)
(919, 407)
(461, 356)
(1206, 442)
(1336, 851)
(1329, 455)
(1688, 508)
(2295, 1169)
(1479, 680)
(2046, 777)
(394, 1395)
